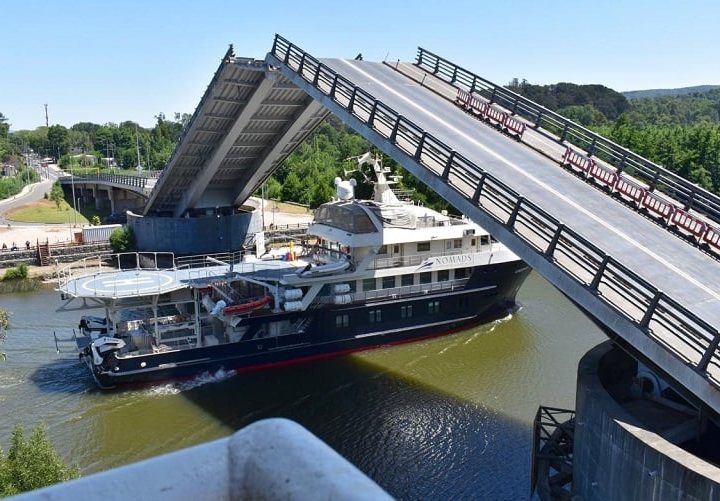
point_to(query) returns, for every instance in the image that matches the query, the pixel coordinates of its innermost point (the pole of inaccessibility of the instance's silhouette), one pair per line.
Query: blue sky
(109, 61)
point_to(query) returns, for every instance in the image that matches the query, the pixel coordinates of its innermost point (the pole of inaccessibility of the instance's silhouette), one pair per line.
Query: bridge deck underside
(246, 124)
(680, 270)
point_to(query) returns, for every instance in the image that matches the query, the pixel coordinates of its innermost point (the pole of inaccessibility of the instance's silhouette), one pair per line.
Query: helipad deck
(114, 284)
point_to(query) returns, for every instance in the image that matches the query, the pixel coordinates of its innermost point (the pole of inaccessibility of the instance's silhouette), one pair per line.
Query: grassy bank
(29, 284)
(45, 211)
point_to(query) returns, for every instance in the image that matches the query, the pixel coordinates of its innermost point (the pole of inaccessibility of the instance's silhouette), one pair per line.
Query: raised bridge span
(630, 243)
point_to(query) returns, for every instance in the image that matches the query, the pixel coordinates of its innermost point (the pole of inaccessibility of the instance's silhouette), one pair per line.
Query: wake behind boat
(366, 273)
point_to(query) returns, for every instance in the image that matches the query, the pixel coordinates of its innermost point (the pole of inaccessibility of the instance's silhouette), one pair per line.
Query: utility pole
(47, 122)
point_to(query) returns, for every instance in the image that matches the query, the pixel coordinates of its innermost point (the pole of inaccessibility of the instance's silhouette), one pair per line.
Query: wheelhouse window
(347, 217)
(485, 240)
(423, 246)
(388, 282)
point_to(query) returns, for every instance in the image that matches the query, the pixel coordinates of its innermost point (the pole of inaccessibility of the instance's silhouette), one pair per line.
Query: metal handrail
(600, 273)
(122, 179)
(657, 177)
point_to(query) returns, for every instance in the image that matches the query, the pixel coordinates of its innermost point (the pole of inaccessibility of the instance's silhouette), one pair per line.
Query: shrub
(32, 463)
(56, 193)
(122, 240)
(95, 220)
(20, 272)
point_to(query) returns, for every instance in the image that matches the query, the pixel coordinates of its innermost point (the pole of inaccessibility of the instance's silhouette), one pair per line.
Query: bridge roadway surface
(682, 271)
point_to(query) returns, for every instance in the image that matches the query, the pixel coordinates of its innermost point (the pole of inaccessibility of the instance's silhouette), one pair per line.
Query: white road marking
(562, 197)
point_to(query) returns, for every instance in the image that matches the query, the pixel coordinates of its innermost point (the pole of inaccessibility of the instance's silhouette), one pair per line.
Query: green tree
(56, 194)
(57, 136)
(122, 239)
(292, 188)
(274, 188)
(32, 463)
(95, 220)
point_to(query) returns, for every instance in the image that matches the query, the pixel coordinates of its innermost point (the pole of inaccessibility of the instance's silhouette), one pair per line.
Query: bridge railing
(649, 309)
(121, 179)
(656, 176)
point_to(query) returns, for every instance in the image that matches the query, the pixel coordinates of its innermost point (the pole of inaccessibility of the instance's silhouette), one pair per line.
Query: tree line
(681, 133)
(118, 141)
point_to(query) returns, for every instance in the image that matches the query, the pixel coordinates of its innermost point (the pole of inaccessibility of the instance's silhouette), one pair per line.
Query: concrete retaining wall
(196, 235)
(270, 459)
(615, 458)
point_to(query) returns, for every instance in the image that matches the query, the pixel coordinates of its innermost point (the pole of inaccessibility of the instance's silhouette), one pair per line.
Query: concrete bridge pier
(635, 438)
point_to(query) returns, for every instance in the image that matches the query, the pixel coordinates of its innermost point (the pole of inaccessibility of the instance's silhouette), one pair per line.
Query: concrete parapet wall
(614, 457)
(196, 235)
(270, 459)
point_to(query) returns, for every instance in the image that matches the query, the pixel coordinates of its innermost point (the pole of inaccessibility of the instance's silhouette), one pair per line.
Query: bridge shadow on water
(414, 439)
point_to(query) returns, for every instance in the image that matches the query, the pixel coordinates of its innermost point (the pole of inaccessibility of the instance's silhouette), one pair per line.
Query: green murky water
(448, 417)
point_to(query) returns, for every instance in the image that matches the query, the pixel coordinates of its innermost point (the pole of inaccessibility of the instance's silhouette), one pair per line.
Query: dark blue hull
(332, 331)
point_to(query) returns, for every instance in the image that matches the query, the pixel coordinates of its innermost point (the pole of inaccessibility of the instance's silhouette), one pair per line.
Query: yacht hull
(330, 331)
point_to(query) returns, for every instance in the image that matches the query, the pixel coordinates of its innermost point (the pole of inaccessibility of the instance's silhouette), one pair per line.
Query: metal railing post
(448, 165)
(555, 239)
(599, 274)
(515, 211)
(333, 87)
(478, 190)
(623, 159)
(418, 150)
(591, 150)
(316, 78)
(563, 135)
(371, 117)
(351, 103)
(708, 355)
(394, 132)
(651, 309)
(287, 54)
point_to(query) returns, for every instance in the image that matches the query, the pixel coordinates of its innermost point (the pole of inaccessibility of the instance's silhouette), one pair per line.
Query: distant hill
(573, 100)
(698, 89)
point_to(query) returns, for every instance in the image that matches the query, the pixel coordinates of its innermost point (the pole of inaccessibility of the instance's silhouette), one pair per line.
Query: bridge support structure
(632, 443)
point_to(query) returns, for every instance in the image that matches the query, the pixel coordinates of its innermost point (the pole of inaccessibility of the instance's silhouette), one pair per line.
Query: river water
(444, 418)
